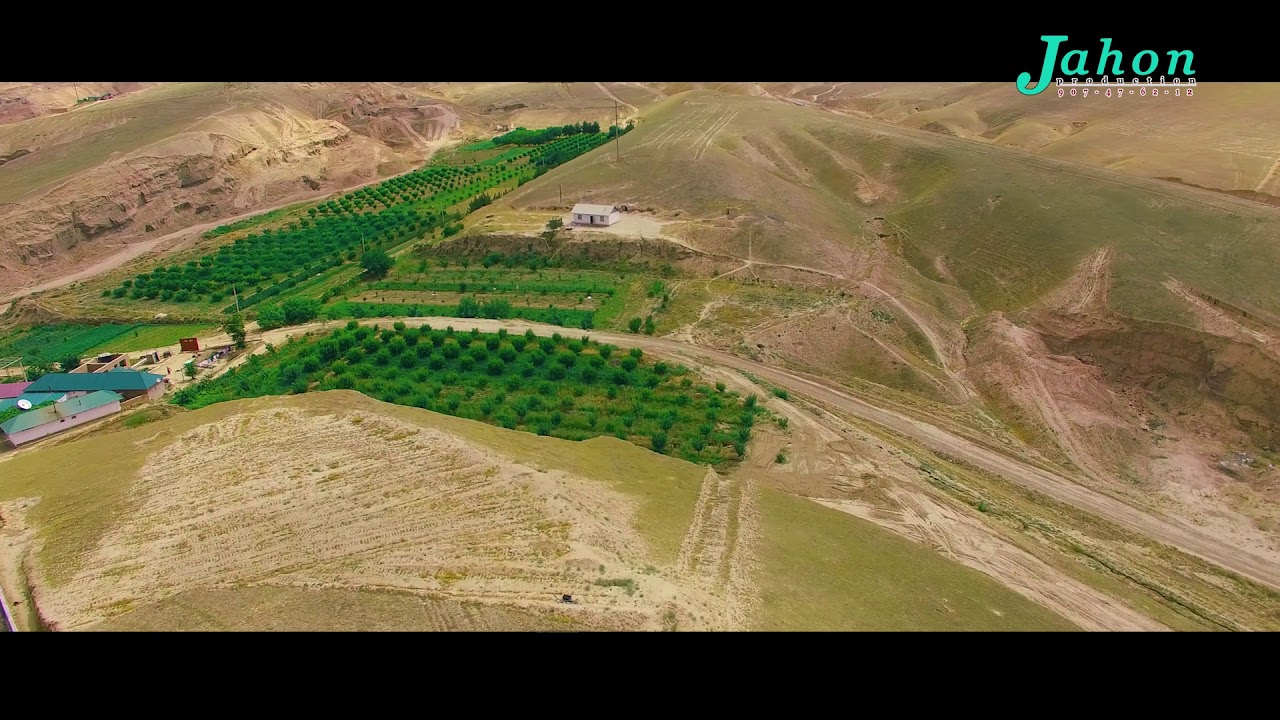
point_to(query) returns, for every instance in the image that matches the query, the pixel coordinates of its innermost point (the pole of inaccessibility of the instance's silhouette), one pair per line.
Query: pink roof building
(12, 390)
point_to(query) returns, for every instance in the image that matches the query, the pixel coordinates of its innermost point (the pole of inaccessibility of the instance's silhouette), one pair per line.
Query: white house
(586, 214)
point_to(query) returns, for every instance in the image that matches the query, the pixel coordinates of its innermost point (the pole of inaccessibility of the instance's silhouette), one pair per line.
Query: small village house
(102, 363)
(59, 415)
(588, 214)
(125, 382)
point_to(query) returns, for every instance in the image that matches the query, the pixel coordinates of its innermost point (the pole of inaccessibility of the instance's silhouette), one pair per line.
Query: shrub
(299, 310)
(468, 307)
(658, 441)
(376, 262)
(270, 317)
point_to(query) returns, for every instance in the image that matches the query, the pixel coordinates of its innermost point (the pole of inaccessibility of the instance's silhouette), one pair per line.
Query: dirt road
(1184, 537)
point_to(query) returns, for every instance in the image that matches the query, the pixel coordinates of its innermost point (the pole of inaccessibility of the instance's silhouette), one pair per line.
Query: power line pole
(617, 131)
(237, 298)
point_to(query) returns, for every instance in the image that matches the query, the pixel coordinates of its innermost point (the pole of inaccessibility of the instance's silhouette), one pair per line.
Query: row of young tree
(560, 386)
(267, 263)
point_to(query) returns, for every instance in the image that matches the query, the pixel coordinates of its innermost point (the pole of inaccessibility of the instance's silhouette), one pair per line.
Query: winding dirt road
(1059, 487)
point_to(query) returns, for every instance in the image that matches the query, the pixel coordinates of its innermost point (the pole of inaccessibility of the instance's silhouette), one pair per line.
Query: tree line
(523, 136)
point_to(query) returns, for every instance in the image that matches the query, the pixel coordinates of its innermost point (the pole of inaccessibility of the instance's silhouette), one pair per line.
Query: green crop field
(55, 342)
(568, 388)
(144, 337)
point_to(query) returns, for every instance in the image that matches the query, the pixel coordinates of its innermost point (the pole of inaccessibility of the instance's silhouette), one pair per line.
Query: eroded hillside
(1120, 328)
(81, 184)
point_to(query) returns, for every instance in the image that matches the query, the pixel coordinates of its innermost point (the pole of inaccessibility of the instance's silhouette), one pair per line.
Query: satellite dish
(24, 404)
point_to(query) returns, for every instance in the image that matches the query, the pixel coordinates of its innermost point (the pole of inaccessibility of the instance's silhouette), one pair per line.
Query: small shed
(189, 344)
(588, 214)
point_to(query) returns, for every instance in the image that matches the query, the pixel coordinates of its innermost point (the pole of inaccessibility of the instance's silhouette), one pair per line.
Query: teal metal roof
(29, 419)
(112, 380)
(34, 398)
(93, 400)
(52, 413)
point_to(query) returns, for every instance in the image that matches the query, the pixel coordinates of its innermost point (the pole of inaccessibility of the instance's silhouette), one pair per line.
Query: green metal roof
(113, 380)
(52, 413)
(33, 398)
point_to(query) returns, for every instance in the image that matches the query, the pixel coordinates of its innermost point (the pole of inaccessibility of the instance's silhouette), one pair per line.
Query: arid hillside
(1222, 137)
(343, 513)
(1119, 327)
(77, 186)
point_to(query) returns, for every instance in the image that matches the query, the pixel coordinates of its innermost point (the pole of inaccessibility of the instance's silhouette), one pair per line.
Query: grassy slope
(894, 582)
(1220, 138)
(822, 569)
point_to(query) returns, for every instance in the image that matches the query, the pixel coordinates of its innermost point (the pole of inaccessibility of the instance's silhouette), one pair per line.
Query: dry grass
(290, 609)
(824, 570)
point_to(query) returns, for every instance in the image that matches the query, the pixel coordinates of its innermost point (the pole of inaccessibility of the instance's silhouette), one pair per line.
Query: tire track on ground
(705, 141)
(1173, 532)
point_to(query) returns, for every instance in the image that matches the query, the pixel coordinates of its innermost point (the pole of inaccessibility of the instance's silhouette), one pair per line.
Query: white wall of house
(61, 424)
(597, 219)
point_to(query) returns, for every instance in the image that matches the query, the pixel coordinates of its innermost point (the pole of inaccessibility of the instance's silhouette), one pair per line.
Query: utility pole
(237, 298)
(561, 194)
(617, 131)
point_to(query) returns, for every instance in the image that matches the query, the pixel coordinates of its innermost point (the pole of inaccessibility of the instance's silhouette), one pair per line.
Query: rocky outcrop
(1161, 357)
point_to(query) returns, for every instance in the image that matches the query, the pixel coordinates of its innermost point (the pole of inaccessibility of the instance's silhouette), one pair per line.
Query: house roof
(113, 380)
(589, 209)
(12, 390)
(51, 413)
(33, 398)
